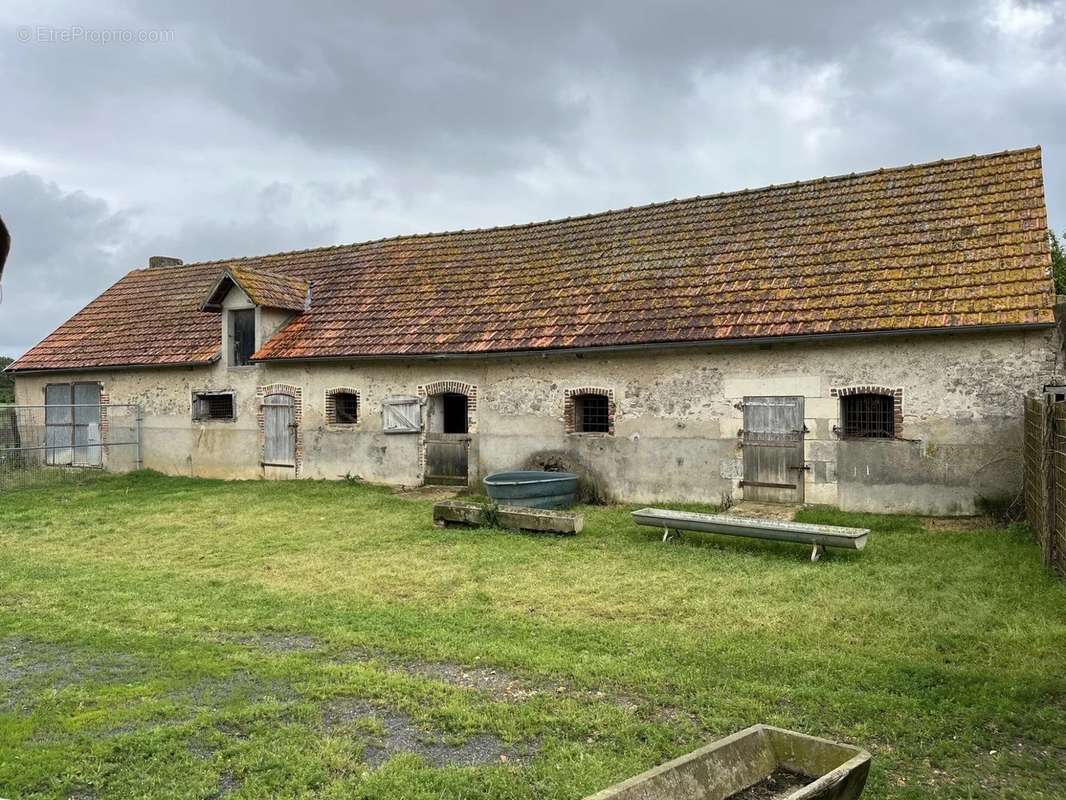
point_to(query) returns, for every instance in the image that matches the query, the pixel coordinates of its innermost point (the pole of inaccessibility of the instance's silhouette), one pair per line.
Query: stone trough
(459, 512)
(759, 763)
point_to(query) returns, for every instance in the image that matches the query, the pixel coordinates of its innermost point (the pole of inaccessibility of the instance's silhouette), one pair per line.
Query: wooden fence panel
(1054, 547)
(1045, 478)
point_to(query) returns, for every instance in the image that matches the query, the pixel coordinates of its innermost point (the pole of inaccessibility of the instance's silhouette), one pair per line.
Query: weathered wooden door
(446, 458)
(773, 449)
(279, 431)
(447, 440)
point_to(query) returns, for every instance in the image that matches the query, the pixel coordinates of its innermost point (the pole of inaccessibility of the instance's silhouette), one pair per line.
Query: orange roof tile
(950, 244)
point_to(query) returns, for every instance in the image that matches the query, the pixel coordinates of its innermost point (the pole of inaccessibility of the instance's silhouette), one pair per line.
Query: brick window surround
(331, 407)
(296, 393)
(569, 417)
(897, 403)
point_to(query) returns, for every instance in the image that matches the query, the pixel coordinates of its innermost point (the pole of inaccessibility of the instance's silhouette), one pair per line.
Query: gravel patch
(401, 734)
(497, 683)
(243, 687)
(273, 642)
(502, 686)
(27, 666)
(227, 784)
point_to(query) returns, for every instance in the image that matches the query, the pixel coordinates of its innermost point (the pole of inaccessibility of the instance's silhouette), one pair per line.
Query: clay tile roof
(267, 289)
(950, 244)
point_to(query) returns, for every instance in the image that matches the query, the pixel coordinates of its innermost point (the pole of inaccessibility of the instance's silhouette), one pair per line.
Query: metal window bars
(593, 413)
(869, 416)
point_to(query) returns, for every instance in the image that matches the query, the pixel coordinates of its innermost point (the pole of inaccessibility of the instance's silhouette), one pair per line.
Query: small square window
(869, 416)
(213, 406)
(592, 413)
(345, 408)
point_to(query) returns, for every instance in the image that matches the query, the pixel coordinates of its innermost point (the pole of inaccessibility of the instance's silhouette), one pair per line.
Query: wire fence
(1045, 478)
(69, 442)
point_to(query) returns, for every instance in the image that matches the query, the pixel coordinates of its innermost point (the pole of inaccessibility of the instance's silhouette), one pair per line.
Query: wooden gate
(446, 458)
(773, 449)
(279, 431)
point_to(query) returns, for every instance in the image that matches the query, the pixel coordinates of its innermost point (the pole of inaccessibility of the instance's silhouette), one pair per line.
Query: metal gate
(773, 449)
(60, 440)
(447, 456)
(279, 431)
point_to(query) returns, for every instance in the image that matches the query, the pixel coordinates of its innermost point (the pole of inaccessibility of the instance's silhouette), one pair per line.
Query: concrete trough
(744, 764)
(541, 520)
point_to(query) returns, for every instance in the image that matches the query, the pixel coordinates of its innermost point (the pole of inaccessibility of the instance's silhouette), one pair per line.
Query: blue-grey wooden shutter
(401, 414)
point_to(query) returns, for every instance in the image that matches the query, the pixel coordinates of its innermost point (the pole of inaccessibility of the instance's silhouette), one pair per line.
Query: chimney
(155, 262)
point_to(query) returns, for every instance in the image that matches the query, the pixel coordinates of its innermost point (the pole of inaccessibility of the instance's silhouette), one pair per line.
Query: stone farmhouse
(863, 341)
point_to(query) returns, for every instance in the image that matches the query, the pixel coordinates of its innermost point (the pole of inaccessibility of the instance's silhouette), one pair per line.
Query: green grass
(143, 651)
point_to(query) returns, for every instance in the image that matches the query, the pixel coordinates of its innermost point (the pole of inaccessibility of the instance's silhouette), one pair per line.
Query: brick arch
(296, 393)
(428, 390)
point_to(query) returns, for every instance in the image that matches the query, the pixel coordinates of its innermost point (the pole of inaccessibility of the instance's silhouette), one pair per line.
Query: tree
(1058, 262)
(7, 382)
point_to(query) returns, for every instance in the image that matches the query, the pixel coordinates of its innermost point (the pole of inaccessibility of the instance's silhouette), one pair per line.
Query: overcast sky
(209, 130)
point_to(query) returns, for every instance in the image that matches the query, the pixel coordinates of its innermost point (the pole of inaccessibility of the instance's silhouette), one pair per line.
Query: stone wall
(676, 420)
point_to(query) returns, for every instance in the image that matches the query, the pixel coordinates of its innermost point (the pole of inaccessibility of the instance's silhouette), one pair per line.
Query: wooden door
(773, 449)
(447, 458)
(279, 431)
(447, 439)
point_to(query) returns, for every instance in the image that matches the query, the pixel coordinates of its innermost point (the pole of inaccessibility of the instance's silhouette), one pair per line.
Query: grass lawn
(166, 637)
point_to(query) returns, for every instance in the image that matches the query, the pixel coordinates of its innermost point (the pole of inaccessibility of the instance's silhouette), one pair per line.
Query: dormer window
(249, 301)
(242, 324)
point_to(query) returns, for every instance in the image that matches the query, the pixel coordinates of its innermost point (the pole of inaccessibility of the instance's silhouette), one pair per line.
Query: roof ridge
(596, 214)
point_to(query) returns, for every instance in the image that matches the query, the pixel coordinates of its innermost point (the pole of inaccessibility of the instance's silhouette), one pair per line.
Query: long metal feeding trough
(758, 762)
(819, 536)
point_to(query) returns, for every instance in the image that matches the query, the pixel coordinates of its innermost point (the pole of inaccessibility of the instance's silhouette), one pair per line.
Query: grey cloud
(63, 251)
(69, 246)
(262, 126)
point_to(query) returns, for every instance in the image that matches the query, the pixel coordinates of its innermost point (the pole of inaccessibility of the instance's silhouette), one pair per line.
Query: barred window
(869, 416)
(345, 408)
(592, 413)
(213, 406)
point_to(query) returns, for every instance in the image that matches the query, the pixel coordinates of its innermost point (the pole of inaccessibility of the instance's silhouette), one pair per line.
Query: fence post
(139, 419)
